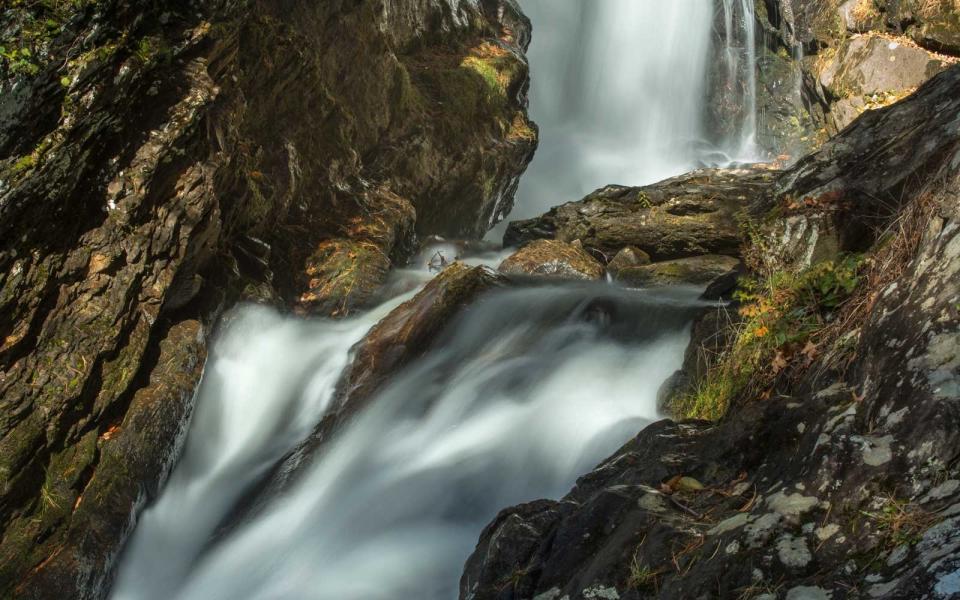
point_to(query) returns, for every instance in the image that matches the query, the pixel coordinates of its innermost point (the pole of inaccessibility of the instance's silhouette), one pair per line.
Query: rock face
(409, 331)
(554, 259)
(869, 71)
(690, 215)
(821, 63)
(158, 164)
(696, 270)
(843, 482)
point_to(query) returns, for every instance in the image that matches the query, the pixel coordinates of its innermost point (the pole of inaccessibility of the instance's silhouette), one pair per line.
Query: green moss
(487, 71)
(30, 27)
(24, 164)
(780, 316)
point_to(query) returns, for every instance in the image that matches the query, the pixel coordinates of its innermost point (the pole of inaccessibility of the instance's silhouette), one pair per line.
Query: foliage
(780, 316)
(29, 26)
(643, 577)
(900, 522)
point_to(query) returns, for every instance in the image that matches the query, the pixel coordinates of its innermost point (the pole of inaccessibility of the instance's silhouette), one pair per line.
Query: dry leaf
(779, 363)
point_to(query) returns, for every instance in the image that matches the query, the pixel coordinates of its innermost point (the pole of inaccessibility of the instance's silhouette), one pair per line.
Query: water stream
(528, 389)
(617, 87)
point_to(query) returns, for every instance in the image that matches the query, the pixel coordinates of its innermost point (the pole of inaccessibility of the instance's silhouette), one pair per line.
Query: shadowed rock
(690, 215)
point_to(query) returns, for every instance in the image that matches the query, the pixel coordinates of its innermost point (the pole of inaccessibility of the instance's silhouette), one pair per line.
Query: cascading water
(529, 389)
(740, 61)
(618, 89)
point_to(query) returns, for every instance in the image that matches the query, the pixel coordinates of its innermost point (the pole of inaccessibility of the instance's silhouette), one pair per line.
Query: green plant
(643, 577)
(779, 317)
(900, 522)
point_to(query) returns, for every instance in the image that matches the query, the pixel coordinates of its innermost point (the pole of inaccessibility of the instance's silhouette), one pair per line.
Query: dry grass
(898, 244)
(901, 522)
(864, 10)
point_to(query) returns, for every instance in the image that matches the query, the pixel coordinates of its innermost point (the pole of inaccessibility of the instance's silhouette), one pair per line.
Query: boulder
(837, 199)
(628, 257)
(870, 71)
(696, 270)
(553, 259)
(409, 330)
(690, 215)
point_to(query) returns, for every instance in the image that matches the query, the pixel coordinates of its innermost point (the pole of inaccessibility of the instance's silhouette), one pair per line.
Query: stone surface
(553, 259)
(690, 215)
(834, 199)
(696, 270)
(630, 256)
(870, 71)
(159, 163)
(880, 49)
(408, 331)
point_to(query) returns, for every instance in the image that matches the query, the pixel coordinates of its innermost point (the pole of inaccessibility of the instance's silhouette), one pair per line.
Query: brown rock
(631, 256)
(871, 71)
(696, 270)
(550, 258)
(690, 215)
(409, 330)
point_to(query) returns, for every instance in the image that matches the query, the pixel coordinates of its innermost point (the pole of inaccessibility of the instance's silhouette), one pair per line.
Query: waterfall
(618, 89)
(529, 389)
(740, 60)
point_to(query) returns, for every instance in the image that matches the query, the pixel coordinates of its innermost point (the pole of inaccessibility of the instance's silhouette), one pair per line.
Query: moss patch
(780, 315)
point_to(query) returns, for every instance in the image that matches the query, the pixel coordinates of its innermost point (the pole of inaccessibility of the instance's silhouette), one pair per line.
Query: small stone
(631, 256)
(806, 592)
(554, 259)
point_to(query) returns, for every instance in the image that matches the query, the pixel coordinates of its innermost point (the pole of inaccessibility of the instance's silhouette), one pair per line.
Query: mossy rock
(696, 270)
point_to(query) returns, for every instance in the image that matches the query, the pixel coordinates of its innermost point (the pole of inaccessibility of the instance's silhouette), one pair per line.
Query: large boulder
(690, 215)
(410, 330)
(157, 164)
(839, 198)
(869, 71)
(553, 259)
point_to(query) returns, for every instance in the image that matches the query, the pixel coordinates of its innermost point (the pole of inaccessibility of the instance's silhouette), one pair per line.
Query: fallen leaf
(689, 484)
(811, 351)
(779, 363)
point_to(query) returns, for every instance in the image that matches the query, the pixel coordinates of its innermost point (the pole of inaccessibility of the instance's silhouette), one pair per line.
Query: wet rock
(696, 270)
(690, 215)
(628, 257)
(408, 331)
(155, 171)
(553, 259)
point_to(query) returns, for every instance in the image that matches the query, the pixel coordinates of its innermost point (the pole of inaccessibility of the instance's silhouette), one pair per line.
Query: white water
(530, 389)
(617, 87)
(266, 385)
(527, 391)
(740, 58)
